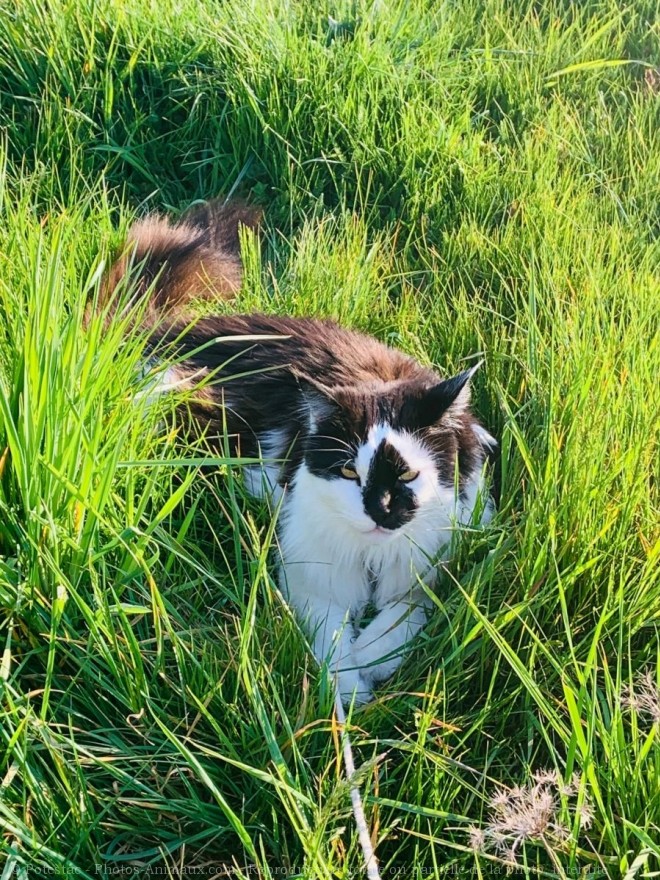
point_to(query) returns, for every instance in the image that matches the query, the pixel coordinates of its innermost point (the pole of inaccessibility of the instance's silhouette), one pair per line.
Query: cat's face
(383, 458)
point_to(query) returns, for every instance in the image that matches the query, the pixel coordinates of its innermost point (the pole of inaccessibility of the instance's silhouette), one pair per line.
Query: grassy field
(457, 178)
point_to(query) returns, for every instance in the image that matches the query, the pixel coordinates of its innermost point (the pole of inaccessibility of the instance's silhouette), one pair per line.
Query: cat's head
(386, 455)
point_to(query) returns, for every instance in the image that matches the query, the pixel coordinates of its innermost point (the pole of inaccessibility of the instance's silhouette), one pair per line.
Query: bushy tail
(196, 257)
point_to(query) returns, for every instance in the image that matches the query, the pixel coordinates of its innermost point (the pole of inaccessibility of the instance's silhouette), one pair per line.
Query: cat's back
(319, 349)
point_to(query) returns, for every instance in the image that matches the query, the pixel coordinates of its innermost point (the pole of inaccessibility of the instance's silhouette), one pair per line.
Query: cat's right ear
(318, 400)
(448, 401)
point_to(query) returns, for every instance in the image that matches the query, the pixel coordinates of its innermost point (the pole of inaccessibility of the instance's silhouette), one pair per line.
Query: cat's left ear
(448, 400)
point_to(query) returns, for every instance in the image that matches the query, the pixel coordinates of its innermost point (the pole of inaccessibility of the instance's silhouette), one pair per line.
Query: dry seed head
(644, 698)
(529, 813)
(477, 840)
(546, 777)
(586, 815)
(500, 798)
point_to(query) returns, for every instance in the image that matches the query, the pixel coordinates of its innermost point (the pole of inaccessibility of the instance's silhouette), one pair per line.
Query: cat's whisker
(344, 443)
(341, 458)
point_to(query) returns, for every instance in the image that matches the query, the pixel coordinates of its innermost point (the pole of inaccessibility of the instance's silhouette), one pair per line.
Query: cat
(371, 458)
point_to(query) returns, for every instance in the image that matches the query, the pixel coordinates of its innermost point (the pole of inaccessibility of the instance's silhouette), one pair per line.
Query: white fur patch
(262, 480)
(164, 381)
(487, 440)
(158, 382)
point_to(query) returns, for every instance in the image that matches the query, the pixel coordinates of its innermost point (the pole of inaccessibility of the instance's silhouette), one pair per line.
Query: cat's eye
(349, 473)
(408, 476)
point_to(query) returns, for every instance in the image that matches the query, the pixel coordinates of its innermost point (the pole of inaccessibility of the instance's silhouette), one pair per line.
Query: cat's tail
(195, 257)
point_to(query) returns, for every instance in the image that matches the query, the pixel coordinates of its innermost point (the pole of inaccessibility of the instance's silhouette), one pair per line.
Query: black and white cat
(372, 458)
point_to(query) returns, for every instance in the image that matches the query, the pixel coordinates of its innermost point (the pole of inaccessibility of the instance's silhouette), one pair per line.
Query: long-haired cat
(373, 458)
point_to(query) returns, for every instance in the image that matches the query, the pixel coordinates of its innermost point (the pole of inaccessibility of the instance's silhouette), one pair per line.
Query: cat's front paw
(353, 688)
(371, 658)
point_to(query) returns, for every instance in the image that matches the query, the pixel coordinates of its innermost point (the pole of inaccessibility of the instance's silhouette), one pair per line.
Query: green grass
(457, 178)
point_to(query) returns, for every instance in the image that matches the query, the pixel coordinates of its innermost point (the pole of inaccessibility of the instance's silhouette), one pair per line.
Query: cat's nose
(378, 507)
